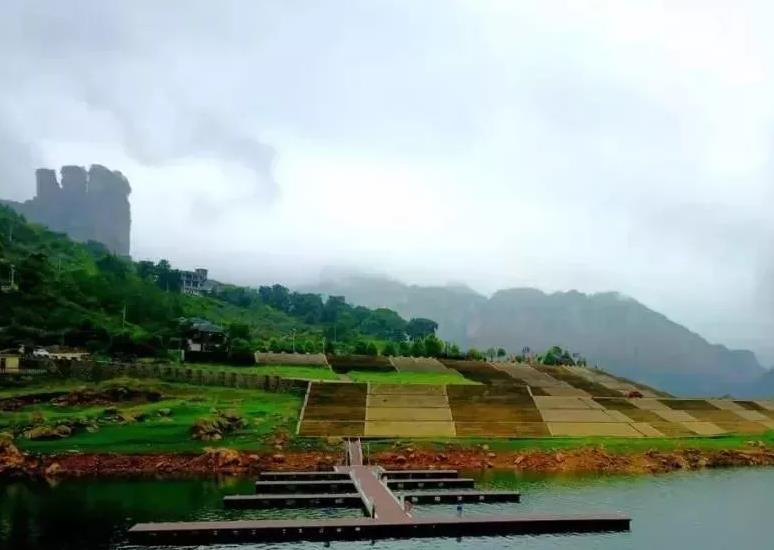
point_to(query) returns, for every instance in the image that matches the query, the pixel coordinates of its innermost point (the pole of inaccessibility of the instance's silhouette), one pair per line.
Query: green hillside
(57, 291)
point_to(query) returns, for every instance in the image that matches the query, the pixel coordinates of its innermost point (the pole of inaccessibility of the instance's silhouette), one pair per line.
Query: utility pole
(13, 270)
(123, 317)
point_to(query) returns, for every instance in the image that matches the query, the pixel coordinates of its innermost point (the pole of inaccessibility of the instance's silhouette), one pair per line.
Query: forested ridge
(59, 292)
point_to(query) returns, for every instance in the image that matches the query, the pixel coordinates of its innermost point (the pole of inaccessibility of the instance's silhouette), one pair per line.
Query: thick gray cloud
(561, 145)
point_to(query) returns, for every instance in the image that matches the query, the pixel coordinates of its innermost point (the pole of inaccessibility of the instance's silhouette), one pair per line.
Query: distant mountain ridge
(609, 329)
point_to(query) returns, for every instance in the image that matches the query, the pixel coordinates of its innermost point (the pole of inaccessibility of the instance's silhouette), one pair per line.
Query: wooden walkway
(354, 452)
(384, 505)
(388, 519)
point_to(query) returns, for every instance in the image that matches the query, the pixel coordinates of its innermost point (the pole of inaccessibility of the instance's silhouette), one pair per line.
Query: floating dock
(337, 486)
(420, 474)
(446, 497)
(343, 500)
(218, 532)
(369, 488)
(440, 483)
(303, 476)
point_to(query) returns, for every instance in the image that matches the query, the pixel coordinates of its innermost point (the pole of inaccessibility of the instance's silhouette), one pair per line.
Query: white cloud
(589, 145)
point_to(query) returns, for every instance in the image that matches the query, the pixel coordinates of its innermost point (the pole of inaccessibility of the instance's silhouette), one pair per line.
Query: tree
(555, 356)
(307, 306)
(404, 349)
(433, 346)
(384, 324)
(361, 348)
(474, 354)
(491, 352)
(146, 270)
(419, 327)
(276, 296)
(372, 350)
(167, 278)
(332, 308)
(454, 351)
(418, 348)
(240, 346)
(32, 273)
(275, 346)
(501, 352)
(111, 264)
(330, 347)
(239, 330)
(390, 349)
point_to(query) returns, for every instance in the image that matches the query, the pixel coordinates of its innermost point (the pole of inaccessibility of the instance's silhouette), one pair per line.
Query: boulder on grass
(48, 432)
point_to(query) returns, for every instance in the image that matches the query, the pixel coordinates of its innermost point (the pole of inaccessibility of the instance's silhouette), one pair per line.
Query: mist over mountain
(611, 330)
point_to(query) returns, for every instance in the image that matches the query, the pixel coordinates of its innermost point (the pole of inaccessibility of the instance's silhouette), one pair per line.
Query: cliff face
(89, 205)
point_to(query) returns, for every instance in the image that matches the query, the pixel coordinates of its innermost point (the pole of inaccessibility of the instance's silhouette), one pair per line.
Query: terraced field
(334, 409)
(478, 371)
(521, 401)
(294, 359)
(399, 410)
(418, 364)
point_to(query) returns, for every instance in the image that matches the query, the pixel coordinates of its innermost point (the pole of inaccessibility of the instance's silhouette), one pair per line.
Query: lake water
(718, 509)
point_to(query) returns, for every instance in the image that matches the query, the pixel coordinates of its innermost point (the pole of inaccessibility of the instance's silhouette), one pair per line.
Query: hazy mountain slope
(452, 307)
(616, 332)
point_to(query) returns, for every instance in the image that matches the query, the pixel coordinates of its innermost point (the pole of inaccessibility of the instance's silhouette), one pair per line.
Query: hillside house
(202, 335)
(193, 282)
(9, 361)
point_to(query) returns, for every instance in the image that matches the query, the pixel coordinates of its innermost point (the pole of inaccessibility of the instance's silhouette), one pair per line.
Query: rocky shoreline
(219, 461)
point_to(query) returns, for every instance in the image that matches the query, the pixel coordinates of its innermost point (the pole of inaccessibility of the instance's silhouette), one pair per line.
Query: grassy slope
(266, 412)
(408, 377)
(264, 321)
(285, 371)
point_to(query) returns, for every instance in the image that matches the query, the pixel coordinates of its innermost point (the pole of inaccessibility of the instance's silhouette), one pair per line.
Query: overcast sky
(590, 145)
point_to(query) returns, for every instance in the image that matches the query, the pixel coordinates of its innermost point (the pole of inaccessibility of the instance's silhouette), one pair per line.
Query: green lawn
(452, 377)
(285, 371)
(265, 412)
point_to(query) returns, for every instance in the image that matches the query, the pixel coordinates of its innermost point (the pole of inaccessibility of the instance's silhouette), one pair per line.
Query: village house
(193, 282)
(9, 361)
(202, 335)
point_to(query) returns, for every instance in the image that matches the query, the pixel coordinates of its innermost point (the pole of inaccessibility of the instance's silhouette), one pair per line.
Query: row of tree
(341, 322)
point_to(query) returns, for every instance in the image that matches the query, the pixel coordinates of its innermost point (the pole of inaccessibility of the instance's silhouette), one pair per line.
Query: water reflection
(708, 510)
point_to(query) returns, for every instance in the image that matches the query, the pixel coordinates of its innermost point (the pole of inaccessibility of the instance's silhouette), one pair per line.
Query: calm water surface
(704, 510)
